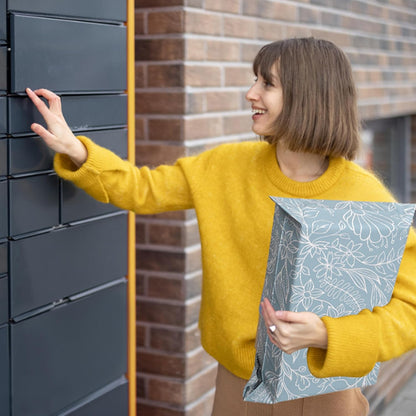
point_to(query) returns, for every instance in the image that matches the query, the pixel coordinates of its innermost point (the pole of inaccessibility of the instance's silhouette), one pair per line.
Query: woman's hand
(58, 136)
(294, 330)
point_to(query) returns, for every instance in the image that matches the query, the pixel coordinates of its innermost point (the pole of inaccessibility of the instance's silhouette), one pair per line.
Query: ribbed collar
(302, 189)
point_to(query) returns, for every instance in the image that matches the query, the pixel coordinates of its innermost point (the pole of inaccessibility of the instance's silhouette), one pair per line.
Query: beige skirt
(229, 402)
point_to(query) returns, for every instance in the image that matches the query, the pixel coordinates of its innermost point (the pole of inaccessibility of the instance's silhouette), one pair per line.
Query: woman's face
(266, 100)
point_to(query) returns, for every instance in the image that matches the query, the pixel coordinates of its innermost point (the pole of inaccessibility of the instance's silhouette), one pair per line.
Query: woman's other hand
(294, 330)
(58, 136)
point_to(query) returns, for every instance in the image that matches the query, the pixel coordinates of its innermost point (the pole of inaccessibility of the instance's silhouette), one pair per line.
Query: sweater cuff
(352, 347)
(87, 176)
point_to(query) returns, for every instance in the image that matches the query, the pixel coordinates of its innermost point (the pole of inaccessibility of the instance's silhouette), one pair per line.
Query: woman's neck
(298, 166)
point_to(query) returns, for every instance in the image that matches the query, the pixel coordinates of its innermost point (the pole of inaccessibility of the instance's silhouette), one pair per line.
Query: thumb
(288, 316)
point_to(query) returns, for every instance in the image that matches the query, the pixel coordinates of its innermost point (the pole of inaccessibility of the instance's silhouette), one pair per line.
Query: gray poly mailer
(332, 258)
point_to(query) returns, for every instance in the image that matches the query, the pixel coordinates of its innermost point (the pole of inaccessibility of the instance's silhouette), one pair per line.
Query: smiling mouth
(258, 111)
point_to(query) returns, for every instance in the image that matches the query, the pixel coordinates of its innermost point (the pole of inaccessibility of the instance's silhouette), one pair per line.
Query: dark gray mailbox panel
(3, 210)
(3, 22)
(76, 204)
(3, 258)
(81, 112)
(79, 57)
(34, 203)
(29, 154)
(51, 266)
(59, 356)
(4, 371)
(3, 157)
(114, 10)
(4, 300)
(3, 69)
(110, 401)
(3, 116)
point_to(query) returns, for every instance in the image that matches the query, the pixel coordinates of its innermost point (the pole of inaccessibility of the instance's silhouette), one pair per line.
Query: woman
(304, 106)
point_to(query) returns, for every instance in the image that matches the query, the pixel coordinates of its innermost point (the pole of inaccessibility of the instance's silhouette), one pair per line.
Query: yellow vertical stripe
(132, 223)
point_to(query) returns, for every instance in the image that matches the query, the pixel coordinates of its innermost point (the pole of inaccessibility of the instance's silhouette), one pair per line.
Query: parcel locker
(60, 356)
(109, 401)
(113, 139)
(3, 258)
(29, 154)
(113, 10)
(48, 267)
(82, 112)
(4, 299)
(3, 158)
(3, 22)
(3, 116)
(79, 57)
(33, 203)
(3, 69)
(4, 371)
(78, 205)
(3, 210)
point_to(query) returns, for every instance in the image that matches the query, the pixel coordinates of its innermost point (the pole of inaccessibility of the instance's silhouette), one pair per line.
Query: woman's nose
(252, 94)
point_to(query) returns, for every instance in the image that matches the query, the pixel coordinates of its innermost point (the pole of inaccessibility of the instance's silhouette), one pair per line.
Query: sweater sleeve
(110, 179)
(357, 342)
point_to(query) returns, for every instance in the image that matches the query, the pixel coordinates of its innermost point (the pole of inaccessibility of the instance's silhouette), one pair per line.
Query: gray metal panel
(78, 205)
(81, 112)
(3, 210)
(4, 300)
(3, 116)
(94, 9)
(3, 157)
(34, 203)
(54, 265)
(29, 154)
(114, 139)
(60, 356)
(109, 401)
(4, 371)
(3, 258)
(3, 69)
(3, 21)
(67, 56)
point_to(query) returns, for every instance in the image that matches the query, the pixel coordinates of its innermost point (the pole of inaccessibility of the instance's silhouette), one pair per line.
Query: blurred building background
(193, 67)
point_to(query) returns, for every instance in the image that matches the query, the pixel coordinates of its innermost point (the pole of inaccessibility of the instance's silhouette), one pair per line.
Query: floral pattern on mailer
(333, 258)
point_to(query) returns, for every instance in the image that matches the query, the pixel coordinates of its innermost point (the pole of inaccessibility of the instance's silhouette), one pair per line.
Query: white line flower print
(332, 258)
(306, 295)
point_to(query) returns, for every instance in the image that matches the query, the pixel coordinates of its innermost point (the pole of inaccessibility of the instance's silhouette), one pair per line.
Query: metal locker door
(3, 210)
(75, 348)
(47, 267)
(112, 10)
(79, 57)
(110, 401)
(34, 203)
(29, 154)
(3, 158)
(81, 112)
(4, 371)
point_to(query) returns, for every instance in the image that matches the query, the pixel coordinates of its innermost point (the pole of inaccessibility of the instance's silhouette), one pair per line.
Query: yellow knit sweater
(229, 187)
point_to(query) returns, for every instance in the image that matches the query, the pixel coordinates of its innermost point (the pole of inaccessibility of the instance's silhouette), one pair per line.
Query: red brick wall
(193, 66)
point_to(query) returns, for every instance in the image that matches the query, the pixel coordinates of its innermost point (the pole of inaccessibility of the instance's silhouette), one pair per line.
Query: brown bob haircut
(319, 112)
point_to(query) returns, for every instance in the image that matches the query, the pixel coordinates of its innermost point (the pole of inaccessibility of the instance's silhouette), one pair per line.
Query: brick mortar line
(176, 379)
(187, 354)
(188, 328)
(171, 249)
(187, 302)
(156, 221)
